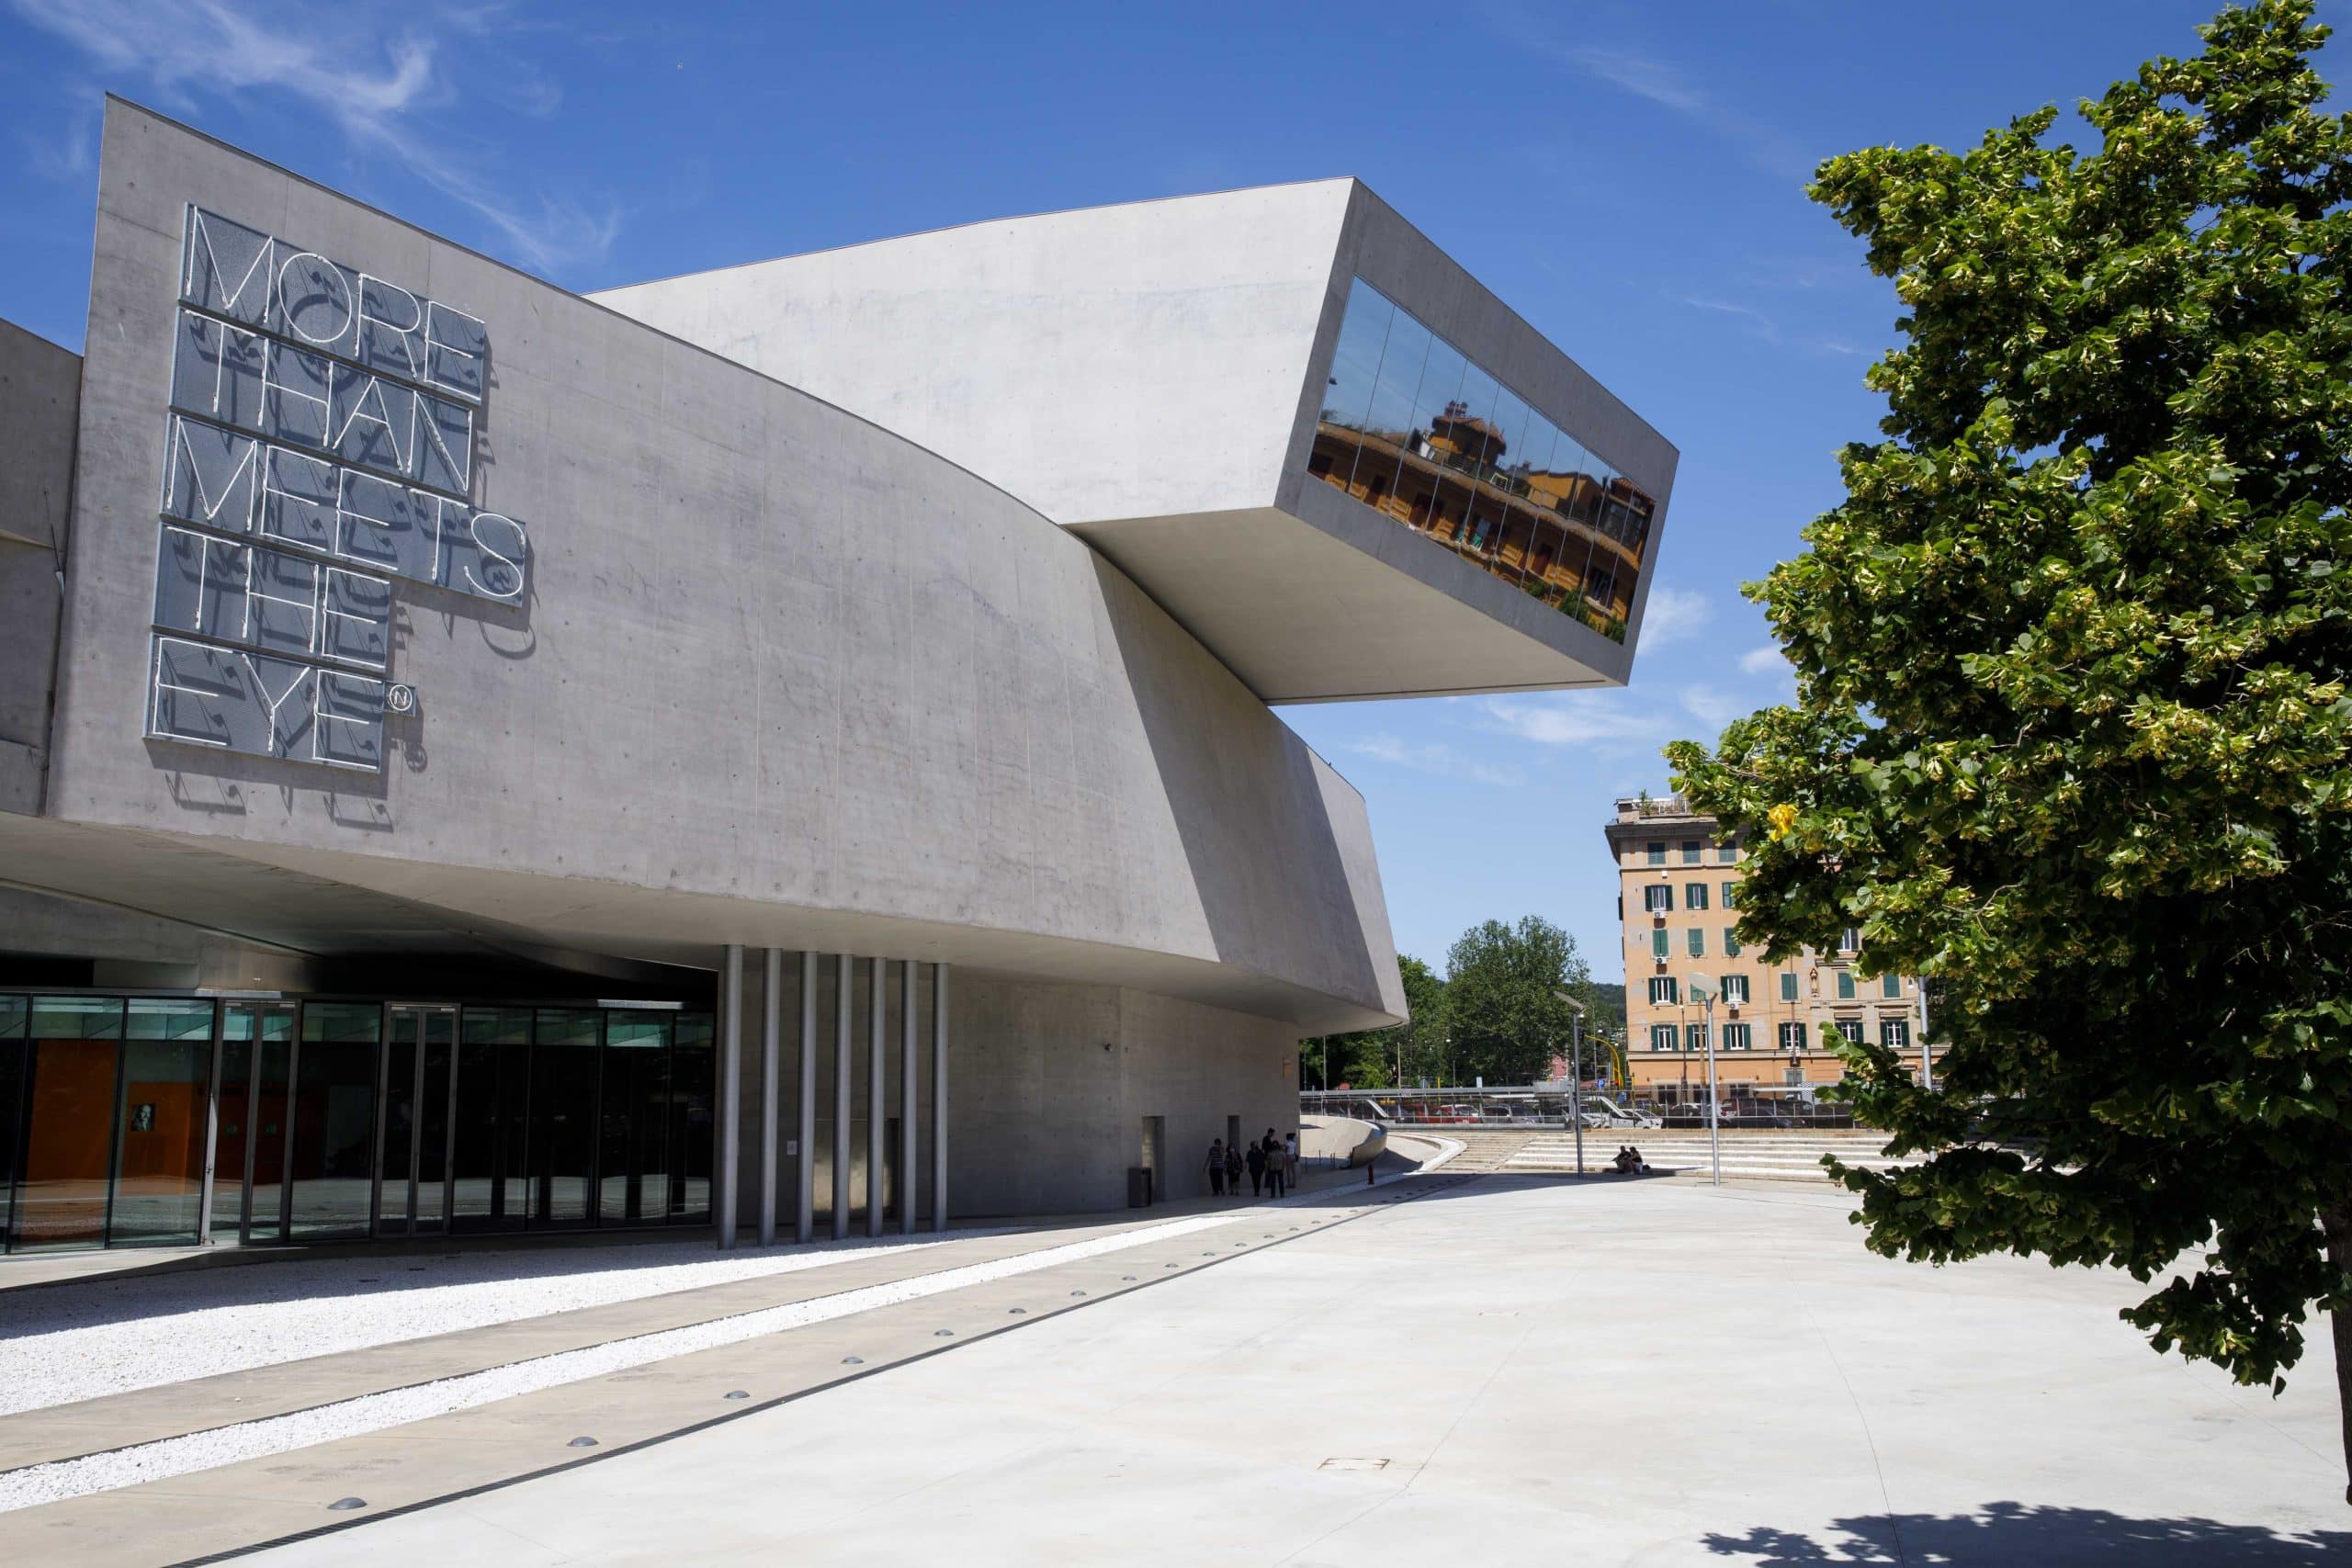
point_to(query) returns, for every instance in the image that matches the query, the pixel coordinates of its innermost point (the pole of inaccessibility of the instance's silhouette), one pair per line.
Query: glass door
(415, 1109)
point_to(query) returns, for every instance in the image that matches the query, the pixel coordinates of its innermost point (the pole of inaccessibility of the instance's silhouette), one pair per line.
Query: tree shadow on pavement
(2033, 1536)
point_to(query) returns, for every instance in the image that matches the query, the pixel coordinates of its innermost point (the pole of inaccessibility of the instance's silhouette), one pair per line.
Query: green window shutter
(1731, 894)
(1788, 987)
(1891, 986)
(1731, 942)
(1657, 942)
(1845, 985)
(1698, 940)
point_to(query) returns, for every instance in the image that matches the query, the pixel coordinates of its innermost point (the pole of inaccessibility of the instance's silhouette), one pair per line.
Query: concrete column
(875, 1117)
(804, 1227)
(847, 969)
(939, 1097)
(730, 1099)
(906, 1185)
(771, 1044)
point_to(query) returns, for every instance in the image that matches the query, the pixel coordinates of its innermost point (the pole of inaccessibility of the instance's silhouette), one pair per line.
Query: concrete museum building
(783, 750)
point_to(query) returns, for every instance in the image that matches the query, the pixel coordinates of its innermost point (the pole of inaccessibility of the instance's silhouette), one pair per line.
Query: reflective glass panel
(159, 1121)
(13, 1063)
(564, 1080)
(489, 1189)
(1347, 392)
(69, 1090)
(249, 1158)
(633, 1183)
(331, 1117)
(693, 1121)
(1441, 444)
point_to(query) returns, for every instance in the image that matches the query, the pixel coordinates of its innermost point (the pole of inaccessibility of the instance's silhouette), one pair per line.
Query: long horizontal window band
(325, 1117)
(1414, 428)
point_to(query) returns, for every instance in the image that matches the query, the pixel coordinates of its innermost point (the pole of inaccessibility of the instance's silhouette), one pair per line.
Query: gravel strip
(171, 1457)
(72, 1342)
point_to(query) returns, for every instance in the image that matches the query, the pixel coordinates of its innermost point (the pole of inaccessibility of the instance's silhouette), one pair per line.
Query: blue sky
(1626, 176)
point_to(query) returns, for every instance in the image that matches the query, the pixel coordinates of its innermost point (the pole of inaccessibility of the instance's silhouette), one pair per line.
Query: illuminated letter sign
(319, 448)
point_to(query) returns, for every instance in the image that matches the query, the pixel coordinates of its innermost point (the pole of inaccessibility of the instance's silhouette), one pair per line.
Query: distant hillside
(1609, 1010)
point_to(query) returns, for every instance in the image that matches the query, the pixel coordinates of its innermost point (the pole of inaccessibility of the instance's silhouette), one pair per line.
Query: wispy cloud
(1708, 705)
(1758, 324)
(378, 84)
(1762, 660)
(1644, 77)
(1602, 720)
(1675, 615)
(1434, 757)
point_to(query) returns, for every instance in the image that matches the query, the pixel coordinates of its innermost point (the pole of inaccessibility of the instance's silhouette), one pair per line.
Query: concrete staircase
(1748, 1154)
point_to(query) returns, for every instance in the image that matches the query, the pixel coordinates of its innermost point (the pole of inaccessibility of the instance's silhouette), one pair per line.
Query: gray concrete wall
(1049, 1086)
(1151, 374)
(40, 392)
(783, 678)
(1127, 361)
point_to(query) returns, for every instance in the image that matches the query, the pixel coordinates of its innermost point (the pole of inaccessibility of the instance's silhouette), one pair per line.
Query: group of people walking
(1271, 1162)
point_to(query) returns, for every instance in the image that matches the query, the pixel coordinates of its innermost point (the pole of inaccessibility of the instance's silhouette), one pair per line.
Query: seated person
(1637, 1165)
(1624, 1164)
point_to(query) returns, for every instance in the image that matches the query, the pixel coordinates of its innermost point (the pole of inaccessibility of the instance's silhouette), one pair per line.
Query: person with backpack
(1277, 1164)
(1256, 1160)
(1216, 1167)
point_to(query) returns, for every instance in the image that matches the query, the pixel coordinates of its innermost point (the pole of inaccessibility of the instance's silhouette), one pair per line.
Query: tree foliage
(1502, 1007)
(1369, 1058)
(2072, 737)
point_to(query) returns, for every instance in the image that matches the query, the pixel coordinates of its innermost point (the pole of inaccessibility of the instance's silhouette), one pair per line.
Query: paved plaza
(1502, 1370)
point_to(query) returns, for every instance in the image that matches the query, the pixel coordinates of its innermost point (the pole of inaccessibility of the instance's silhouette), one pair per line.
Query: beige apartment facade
(1678, 896)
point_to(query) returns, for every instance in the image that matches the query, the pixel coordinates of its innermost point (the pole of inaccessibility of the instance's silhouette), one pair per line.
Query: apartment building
(1678, 903)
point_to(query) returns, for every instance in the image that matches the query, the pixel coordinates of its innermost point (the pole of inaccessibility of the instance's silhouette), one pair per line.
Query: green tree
(1369, 1058)
(2070, 735)
(1502, 1007)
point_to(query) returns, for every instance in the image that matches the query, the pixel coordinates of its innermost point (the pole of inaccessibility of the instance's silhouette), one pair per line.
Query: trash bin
(1138, 1187)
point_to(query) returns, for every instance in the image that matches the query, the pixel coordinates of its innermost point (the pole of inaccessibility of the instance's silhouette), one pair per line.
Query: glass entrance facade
(130, 1120)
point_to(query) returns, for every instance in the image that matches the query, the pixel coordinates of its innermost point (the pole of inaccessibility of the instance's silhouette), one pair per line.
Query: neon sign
(319, 448)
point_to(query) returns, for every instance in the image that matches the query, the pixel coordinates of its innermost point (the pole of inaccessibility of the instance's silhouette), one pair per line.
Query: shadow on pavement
(2003, 1533)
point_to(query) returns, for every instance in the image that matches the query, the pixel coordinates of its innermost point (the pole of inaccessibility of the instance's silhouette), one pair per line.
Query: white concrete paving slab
(1516, 1370)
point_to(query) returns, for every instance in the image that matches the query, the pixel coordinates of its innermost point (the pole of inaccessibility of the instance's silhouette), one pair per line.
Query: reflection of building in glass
(1413, 429)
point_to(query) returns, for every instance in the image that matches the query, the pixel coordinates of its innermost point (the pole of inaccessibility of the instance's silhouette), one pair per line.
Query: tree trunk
(2337, 1222)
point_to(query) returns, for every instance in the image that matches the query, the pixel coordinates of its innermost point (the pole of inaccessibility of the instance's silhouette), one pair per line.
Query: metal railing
(1753, 1106)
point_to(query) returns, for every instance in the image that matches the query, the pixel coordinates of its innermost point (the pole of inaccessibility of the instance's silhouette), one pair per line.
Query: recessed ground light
(1126, 1276)
(942, 1334)
(582, 1443)
(345, 1504)
(1171, 1266)
(737, 1393)
(1354, 1464)
(853, 1360)
(1017, 1311)
(1078, 1292)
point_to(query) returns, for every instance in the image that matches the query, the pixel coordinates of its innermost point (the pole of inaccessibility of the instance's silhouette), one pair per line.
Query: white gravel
(374, 1413)
(61, 1343)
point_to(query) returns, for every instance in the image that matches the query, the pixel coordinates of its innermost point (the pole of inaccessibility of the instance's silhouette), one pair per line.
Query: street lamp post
(1926, 1051)
(1576, 1073)
(1706, 995)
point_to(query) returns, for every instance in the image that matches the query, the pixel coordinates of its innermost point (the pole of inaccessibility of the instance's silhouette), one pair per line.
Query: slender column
(804, 1227)
(771, 1048)
(939, 1097)
(846, 968)
(730, 1086)
(875, 1116)
(907, 1189)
